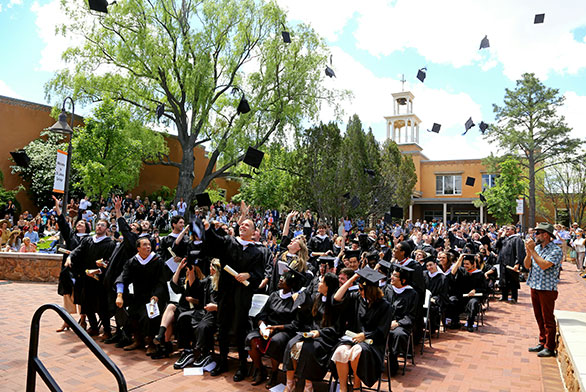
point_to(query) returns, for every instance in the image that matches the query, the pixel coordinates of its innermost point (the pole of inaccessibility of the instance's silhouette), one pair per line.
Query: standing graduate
(308, 357)
(145, 272)
(235, 292)
(320, 244)
(364, 352)
(69, 284)
(82, 261)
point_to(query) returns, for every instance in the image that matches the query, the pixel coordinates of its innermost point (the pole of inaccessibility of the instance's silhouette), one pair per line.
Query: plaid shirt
(546, 279)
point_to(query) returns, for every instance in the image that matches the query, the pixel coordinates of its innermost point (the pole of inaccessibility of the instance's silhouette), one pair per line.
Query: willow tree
(199, 59)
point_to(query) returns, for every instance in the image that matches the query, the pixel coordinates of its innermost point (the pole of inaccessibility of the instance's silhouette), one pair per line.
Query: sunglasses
(540, 232)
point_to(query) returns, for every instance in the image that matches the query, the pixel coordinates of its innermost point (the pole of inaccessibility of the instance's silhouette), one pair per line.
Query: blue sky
(373, 43)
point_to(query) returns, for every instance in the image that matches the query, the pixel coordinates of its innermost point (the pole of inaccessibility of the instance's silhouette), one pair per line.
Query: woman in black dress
(364, 352)
(308, 355)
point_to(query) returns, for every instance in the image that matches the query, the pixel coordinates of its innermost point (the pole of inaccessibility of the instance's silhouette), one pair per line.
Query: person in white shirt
(181, 206)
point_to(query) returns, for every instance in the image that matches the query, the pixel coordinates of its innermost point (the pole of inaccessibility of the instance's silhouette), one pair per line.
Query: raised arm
(290, 216)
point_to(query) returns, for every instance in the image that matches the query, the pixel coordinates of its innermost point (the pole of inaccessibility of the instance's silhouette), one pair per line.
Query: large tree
(198, 58)
(529, 127)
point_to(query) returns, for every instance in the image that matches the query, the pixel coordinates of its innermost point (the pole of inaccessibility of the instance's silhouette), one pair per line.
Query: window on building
(448, 185)
(488, 181)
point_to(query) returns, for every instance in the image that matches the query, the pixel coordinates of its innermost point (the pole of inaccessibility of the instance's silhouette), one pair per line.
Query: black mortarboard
(243, 106)
(330, 72)
(484, 43)
(470, 181)
(482, 198)
(406, 272)
(388, 218)
(421, 74)
(329, 260)
(365, 241)
(253, 157)
(397, 212)
(160, 111)
(483, 127)
(439, 243)
(98, 5)
(485, 240)
(286, 37)
(346, 195)
(370, 172)
(372, 255)
(294, 279)
(385, 265)
(348, 254)
(435, 128)
(198, 228)
(454, 253)
(20, 158)
(538, 18)
(428, 257)
(355, 202)
(203, 199)
(355, 241)
(369, 277)
(469, 124)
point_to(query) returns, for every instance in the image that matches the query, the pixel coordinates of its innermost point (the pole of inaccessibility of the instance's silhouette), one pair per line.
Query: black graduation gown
(315, 354)
(438, 286)
(511, 251)
(267, 256)
(374, 321)
(72, 240)
(276, 311)
(465, 282)
(404, 309)
(93, 295)
(317, 244)
(456, 242)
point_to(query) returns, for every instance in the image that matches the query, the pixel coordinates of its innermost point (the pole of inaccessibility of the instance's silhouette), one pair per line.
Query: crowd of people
(334, 297)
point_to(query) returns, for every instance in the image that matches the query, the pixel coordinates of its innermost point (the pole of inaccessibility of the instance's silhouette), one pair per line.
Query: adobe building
(441, 191)
(23, 122)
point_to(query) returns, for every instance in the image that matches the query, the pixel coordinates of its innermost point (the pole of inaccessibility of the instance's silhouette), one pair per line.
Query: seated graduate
(145, 272)
(364, 352)
(403, 299)
(436, 283)
(351, 259)
(196, 327)
(469, 288)
(308, 355)
(275, 327)
(326, 264)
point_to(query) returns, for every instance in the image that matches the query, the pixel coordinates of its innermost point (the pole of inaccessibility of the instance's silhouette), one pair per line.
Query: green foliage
(529, 128)
(40, 173)
(163, 193)
(501, 199)
(108, 152)
(190, 55)
(7, 195)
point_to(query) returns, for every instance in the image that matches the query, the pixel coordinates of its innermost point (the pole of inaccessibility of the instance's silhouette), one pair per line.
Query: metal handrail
(35, 365)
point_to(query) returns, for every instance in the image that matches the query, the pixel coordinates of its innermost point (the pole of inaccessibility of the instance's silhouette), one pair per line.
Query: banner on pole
(520, 206)
(60, 169)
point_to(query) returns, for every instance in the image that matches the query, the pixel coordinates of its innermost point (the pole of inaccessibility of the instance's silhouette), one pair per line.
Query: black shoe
(273, 380)
(219, 369)
(536, 349)
(185, 359)
(240, 374)
(114, 338)
(546, 353)
(163, 350)
(260, 376)
(203, 361)
(123, 342)
(513, 301)
(159, 339)
(470, 329)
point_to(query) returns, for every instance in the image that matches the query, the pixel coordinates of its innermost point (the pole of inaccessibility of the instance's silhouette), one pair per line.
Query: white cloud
(7, 91)
(0, 7)
(373, 101)
(12, 3)
(573, 110)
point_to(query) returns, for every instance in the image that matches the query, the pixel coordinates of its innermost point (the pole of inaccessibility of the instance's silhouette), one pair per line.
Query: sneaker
(185, 359)
(545, 353)
(536, 349)
(203, 361)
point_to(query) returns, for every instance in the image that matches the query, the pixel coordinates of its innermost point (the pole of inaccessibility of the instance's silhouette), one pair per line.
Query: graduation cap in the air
(286, 37)
(98, 5)
(539, 18)
(346, 195)
(243, 106)
(397, 212)
(329, 260)
(435, 128)
(20, 158)
(469, 124)
(348, 254)
(330, 72)
(482, 198)
(388, 218)
(485, 240)
(369, 277)
(355, 202)
(160, 111)
(470, 181)
(484, 43)
(253, 157)
(421, 74)
(483, 127)
(203, 199)
(370, 172)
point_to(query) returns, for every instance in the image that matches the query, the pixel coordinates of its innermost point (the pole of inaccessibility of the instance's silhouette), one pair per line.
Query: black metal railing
(36, 366)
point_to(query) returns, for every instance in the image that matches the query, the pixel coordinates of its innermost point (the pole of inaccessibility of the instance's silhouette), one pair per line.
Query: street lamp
(63, 128)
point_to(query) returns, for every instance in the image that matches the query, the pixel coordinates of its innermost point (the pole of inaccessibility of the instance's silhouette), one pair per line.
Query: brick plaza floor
(493, 359)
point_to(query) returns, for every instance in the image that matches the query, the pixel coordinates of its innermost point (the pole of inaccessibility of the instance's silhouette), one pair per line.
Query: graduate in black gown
(326, 264)
(320, 244)
(404, 300)
(82, 261)
(308, 356)
(276, 321)
(364, 352)
(234, 296)
(436, 283)
(69, 283)
(145, 272)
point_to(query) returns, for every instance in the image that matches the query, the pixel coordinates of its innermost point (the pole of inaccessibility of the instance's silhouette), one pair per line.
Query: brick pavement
(493, 359)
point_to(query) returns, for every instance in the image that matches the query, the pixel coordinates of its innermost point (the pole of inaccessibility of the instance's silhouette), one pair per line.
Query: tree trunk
(185, 182)
(531, 217)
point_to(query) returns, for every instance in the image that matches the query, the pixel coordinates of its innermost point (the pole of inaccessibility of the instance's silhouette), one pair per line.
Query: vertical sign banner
(60, 168)
(519, 206)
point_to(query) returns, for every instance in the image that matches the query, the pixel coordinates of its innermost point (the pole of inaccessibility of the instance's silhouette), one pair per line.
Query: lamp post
(62, 127)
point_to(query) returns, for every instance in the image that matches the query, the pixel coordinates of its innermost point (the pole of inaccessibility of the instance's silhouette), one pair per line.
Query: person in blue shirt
(32, 234)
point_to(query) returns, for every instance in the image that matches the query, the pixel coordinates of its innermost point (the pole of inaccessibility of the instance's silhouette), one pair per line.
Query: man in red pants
(543, 259)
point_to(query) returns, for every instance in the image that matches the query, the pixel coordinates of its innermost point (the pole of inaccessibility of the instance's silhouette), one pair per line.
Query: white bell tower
(403, 125)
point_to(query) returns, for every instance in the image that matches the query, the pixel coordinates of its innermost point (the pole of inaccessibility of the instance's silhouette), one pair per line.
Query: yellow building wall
(465, 168)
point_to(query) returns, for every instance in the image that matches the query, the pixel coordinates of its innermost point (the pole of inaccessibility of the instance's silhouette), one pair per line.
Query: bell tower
(403, 125)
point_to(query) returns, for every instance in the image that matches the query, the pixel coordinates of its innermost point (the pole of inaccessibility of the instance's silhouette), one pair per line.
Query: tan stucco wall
(465, 168)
